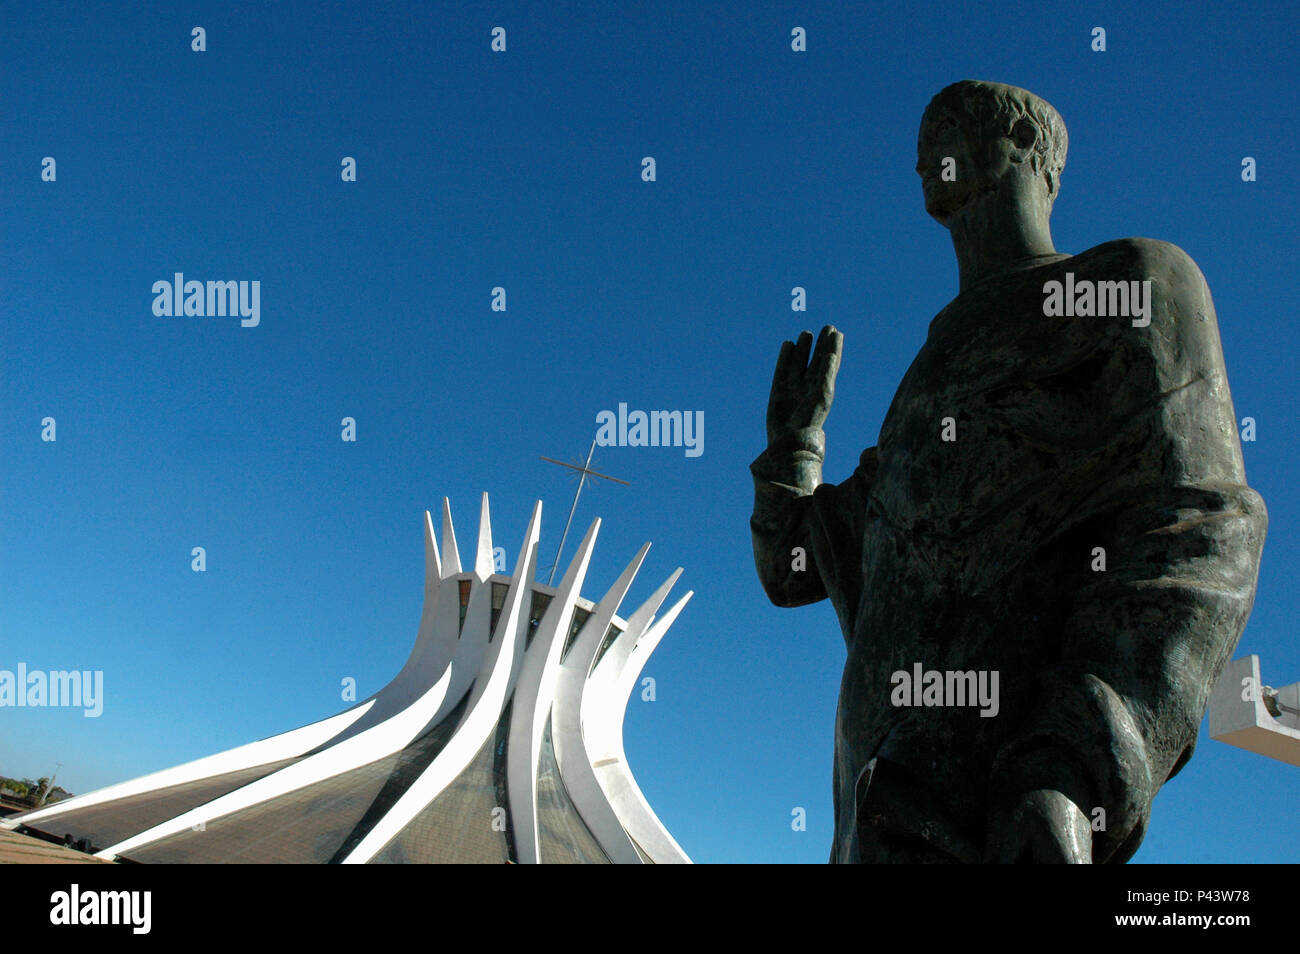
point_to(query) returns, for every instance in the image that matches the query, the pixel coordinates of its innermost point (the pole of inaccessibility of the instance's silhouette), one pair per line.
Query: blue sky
(522, 170)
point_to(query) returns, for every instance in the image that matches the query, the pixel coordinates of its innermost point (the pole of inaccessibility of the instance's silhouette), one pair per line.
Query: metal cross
(586, 471)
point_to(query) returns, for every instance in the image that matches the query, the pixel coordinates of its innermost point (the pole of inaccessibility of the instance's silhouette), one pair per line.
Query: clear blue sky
(522, 170)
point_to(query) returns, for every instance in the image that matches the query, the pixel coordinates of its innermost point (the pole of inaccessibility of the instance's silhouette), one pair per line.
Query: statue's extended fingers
(782, 372)
(821, 338)
(826, 362)
(827, 353)
(835, 339)
(783, 359)
(799, 358)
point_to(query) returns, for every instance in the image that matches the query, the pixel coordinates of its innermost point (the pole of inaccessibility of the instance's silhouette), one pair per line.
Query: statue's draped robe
(1072, 434)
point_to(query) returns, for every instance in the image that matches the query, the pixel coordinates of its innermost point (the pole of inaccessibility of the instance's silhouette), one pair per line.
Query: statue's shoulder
(1176, 301)
(1170, 269)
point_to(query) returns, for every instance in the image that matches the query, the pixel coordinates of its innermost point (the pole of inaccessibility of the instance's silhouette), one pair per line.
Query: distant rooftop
(17, 849)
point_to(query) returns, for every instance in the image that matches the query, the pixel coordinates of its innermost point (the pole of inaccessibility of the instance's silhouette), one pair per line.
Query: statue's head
(1004, 141)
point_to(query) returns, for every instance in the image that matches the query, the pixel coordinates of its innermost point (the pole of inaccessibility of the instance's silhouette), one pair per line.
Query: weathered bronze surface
(1056, 497)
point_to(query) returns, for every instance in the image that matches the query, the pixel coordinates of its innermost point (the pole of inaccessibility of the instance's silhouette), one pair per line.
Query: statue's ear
(1024, 134)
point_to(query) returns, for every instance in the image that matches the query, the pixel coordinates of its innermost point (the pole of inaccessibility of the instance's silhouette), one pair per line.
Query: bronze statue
(1055, 511)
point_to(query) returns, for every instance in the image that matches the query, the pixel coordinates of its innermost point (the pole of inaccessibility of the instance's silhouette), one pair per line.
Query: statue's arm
(1144, 640)
(807, 535)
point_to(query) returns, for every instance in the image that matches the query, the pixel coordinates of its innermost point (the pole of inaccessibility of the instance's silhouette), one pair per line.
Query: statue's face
(980, 161)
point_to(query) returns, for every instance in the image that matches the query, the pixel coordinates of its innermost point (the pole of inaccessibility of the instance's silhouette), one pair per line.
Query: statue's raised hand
(802, 391)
